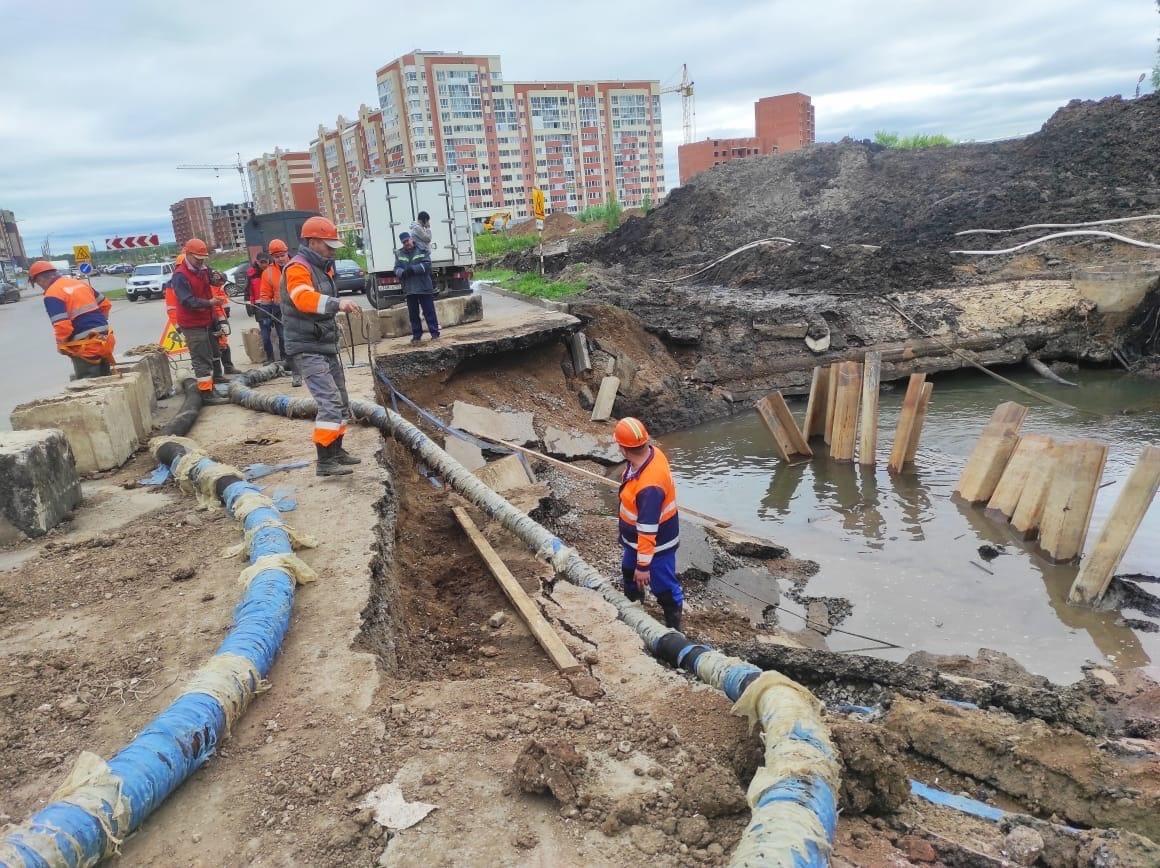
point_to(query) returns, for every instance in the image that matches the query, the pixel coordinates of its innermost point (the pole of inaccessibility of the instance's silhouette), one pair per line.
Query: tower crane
(688, 106)
(238, 167)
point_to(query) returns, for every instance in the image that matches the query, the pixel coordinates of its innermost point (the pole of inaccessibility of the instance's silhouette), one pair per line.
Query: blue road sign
(85, 268)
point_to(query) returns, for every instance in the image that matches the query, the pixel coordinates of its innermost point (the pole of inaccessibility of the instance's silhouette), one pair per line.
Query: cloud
(91, 134)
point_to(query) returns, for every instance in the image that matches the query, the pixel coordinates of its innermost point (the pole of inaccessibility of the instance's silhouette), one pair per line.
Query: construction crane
(238, 167)
(688, 107)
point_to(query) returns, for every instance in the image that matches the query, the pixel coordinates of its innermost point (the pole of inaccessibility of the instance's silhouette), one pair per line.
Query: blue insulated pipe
(102, 803)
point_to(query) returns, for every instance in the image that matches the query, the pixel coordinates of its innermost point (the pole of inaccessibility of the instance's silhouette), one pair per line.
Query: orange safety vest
(221, 311)
(648, 509)
(171, 304)
(80, 319)
(268, 289)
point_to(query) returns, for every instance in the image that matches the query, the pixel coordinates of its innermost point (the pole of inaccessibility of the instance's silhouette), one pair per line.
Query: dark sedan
(349, 276)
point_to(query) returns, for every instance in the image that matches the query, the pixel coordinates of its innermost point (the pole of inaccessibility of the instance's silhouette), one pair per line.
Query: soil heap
(1091, 160)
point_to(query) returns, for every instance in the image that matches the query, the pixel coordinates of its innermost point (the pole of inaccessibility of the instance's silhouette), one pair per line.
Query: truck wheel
(373, 297)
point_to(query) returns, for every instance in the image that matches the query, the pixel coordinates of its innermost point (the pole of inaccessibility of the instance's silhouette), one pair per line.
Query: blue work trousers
(426, 302)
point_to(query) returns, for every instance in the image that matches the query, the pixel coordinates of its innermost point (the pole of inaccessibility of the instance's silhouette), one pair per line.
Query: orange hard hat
(630, 433)
(38, 268)
(278, 246)
(323, 229)
(196, 247)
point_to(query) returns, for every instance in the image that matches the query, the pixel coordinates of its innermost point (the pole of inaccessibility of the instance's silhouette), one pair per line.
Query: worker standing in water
(80, 319)
(649, 526)
(309, 304)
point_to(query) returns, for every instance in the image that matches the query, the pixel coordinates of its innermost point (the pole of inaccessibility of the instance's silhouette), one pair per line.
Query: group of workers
(297, 299)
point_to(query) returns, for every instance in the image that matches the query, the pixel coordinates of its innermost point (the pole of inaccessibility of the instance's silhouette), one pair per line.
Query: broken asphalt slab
(571, 446)
(513, 427)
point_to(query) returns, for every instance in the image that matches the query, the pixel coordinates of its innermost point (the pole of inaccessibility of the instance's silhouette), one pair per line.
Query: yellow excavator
(497, 221)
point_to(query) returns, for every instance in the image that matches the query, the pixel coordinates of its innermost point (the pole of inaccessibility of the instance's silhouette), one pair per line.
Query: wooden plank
(919, 421)
(790, 443)
(906, 418)
(1070, 500)
(605, 398)
(1031, 450)
(845, 434)
(814, 425)
(553, 646)
(831, 400)
(1118, 531)
(868, 434)
(1029, 512)
(991, 453)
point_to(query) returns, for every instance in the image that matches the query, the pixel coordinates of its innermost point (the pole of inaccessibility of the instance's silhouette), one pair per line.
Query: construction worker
(421, 231)
(269, 313)
(195, 316)
(223, 358)
(413, 268)
(170, 295)
(310, 301)
(649, 527)
(80, 319)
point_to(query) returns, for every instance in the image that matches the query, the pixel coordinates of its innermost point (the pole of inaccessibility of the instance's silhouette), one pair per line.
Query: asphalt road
(33, 369)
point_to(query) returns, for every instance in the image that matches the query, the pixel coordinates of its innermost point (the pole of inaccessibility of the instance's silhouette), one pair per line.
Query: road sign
(132, 242)
(85, 267)
(172, 341)
(538, 204)
(81, 253)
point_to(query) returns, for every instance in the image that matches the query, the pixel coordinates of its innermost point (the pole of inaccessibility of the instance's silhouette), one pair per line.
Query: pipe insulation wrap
(101, 803)
(794, 796)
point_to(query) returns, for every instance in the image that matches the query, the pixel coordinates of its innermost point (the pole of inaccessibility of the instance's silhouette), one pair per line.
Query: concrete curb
(545, 303)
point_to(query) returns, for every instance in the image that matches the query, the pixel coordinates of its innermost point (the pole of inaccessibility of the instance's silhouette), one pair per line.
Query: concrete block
(252, 343)
(141, 366)
(97, 423)
(581, 360)
(395, 322)
(467, 454)
(483, 422)
(570, 446)
(138, 392)
(506, 474)
(605, 398)
(155, 365)
(38, 483)
(357, 327)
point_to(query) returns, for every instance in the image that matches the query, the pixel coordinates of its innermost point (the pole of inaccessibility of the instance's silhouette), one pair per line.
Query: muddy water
(901, 550)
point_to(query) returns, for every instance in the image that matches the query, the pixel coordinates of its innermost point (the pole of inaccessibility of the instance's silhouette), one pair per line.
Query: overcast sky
(100, 101)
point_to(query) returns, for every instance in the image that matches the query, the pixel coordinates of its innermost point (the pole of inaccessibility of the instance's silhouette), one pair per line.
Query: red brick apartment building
(782, 123)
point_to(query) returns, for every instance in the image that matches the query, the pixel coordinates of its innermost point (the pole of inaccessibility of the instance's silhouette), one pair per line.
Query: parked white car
(148, 280)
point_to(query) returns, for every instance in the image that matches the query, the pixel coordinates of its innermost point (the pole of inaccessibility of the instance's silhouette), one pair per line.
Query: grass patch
(913, 142)
(222, 261)
(532, 284)
(609, 214)
(114, 293)
(491, 245)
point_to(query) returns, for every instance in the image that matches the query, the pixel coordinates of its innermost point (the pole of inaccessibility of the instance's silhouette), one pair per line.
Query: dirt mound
(1091, 160)
(557, 225)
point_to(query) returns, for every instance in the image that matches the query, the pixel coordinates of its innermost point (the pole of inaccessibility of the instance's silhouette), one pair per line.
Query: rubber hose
(793, 798)
(102, 803)
(181, 424)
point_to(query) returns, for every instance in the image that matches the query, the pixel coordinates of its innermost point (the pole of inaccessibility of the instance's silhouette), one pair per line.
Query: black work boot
(342, 456)
(228, 362)
(219, 374)
(327, 463)
(672, 610)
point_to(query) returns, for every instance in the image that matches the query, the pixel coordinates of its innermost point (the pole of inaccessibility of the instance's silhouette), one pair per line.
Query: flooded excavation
(906, 555)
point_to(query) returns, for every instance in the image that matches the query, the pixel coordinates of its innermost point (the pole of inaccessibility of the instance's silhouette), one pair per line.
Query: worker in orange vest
(171, 296)
(195, 316)
(269, 306)
(309, 304)
(80, 318)
(649, 527)
(224, 360)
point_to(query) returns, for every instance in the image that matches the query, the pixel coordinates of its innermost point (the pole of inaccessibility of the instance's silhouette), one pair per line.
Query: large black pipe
(181, 424)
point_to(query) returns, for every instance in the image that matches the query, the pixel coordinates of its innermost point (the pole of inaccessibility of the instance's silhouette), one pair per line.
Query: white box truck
(389, 205)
